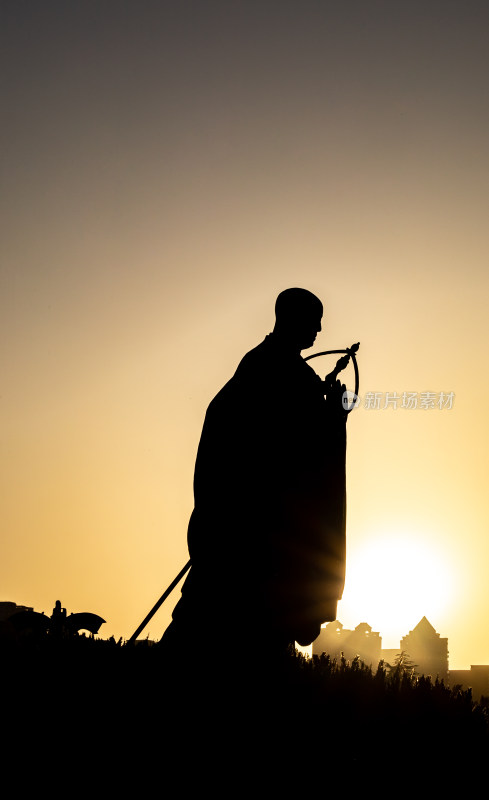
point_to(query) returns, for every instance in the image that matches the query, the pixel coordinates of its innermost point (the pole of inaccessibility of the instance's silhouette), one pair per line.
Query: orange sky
(167, 169)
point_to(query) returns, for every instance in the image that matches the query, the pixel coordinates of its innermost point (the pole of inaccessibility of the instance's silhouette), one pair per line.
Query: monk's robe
(267, 534)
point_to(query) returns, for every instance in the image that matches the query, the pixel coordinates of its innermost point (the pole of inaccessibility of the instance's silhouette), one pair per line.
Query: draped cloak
(267, 533)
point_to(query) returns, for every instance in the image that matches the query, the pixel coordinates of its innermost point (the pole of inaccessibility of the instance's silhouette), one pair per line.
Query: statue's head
(298, 315)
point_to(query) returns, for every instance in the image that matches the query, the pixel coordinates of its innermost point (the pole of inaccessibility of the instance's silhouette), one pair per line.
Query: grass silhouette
(83, 706)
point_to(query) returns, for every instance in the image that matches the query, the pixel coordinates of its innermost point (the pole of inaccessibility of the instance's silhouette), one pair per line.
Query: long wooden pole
(160, 602)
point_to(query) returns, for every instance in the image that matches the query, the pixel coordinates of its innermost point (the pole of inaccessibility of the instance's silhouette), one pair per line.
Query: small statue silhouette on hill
(23, 621)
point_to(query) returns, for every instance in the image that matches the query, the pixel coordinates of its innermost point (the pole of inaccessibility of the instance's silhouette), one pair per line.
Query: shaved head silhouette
(297, 302)
(298, 314)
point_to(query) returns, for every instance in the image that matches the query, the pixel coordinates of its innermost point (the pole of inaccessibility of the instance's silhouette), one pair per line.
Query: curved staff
(349, 351)
(340, 365)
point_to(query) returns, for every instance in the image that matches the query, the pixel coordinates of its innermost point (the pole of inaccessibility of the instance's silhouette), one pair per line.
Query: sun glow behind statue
(392, 582)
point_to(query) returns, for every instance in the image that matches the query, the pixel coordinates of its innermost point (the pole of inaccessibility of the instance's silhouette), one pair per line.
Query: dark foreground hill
(94, 715)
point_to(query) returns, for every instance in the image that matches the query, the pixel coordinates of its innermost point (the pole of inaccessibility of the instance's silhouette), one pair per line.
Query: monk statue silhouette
(267, 533)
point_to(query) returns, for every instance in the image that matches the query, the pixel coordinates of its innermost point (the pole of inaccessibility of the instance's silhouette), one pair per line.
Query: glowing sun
(391, 583)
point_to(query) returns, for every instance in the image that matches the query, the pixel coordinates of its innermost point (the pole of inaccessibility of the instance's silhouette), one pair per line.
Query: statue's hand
(340, 365)
(334, 397)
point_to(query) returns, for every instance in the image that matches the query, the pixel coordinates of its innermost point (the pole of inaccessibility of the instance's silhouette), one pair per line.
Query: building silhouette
(335, 640)
(476, 678)
(423, 646)
(8, 609)
(427, 650)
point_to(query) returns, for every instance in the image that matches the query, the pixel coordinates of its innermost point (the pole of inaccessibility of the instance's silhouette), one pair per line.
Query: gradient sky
(166, 169)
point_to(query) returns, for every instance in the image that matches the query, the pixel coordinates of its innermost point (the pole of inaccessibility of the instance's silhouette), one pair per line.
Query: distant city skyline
(423, 647)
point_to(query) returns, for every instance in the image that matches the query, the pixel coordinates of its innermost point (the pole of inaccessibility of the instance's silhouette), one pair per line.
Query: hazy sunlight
(392, 583)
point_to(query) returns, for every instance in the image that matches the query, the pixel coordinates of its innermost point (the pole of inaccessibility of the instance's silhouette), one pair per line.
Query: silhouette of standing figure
(267, 533)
